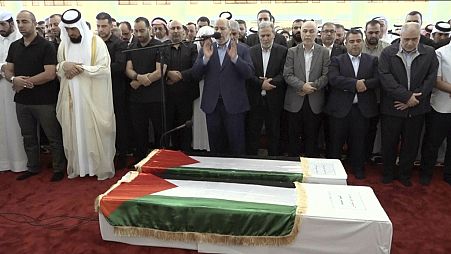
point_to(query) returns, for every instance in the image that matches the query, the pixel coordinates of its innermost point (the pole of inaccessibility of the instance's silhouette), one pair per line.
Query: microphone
(187, 124)
(215, 35)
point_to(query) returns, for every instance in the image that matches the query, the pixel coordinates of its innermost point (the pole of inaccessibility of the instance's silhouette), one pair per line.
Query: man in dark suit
(328, 40)
(407, 72)
(265, 15)
(305, 73)
(352, 101)
(225, 65)
(266, 90)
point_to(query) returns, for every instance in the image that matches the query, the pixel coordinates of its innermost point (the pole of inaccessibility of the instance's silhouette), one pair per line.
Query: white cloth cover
(315, 170)
(85, 106)
(12, 152)
(339, 219)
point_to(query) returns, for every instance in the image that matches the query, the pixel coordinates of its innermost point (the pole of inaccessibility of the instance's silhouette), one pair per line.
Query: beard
(373, 41)
(76, 40)
(6, 33)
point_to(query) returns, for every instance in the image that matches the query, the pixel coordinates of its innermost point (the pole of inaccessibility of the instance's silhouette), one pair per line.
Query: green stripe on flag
(232, 174)
(202, 215)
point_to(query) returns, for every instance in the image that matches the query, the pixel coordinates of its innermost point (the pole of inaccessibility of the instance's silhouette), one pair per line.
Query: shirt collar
(401, 50)
(224, 45)
(311, 50)
(351, 56)
(267, 50)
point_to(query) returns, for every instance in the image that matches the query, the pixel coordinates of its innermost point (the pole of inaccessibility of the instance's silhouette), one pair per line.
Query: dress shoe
(26, 175)
(57, 176)
(425, 181)
(405, 182)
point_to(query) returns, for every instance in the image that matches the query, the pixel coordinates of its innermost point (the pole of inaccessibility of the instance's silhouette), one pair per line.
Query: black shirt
(144, 61)
(182, 59)
(118, 61)
(29, 61)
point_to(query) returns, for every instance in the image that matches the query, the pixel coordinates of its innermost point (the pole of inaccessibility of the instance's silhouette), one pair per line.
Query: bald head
(29, 14)
(308, 33)
(176, 31)
(410, 36)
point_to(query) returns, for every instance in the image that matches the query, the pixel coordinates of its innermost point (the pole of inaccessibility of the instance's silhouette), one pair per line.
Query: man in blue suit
(225, 65)
(353, 78)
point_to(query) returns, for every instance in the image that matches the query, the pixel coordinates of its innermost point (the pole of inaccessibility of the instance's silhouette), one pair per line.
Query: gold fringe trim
(209, 237)
(305, 167)
(130, 176)
(301, 201)
(139, 165)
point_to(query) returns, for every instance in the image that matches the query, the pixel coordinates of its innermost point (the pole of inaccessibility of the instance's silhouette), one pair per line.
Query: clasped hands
(412, 102)
(307, 88)
(72, 69)
(21, 82)
(141, 79)
(173, 77)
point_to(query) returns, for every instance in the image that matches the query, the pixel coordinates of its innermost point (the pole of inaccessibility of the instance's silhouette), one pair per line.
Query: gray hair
(410, 26)
(234, 25)
(266, 24)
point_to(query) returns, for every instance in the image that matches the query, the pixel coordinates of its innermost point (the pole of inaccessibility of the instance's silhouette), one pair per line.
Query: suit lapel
(301, 58)
(259, 59)
(315, 57)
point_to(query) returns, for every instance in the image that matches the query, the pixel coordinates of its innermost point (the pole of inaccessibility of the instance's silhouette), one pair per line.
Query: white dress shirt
(308, 56)
(265, 57)
(441, 101)
(355, 60)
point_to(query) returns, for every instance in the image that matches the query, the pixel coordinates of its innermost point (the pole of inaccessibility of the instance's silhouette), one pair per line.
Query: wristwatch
(12, 79)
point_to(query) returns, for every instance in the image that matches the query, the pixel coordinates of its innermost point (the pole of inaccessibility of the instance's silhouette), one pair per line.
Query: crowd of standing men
(317, 90)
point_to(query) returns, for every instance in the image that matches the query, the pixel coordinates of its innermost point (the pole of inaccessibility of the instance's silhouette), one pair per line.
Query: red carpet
(62, 218)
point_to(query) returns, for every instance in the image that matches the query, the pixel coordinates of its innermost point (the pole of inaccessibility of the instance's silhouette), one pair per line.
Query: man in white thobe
(12, 152)
(85, 101)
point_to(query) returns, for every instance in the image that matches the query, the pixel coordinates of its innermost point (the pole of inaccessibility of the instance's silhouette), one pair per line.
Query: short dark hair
(55, 15)
(146, 21)
(185, 28)
(127, 24)
(271, 17)
(191, 23)
(354, 31)
(298, 20)
(373, 22)
(113, 20)
(240, 21)
(337, 26)
(327, 24)
(203, 19)
(412, 13)
(104, 15)
(41, 23)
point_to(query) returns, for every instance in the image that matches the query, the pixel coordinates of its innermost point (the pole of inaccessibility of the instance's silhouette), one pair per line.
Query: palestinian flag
(176, 165)
(144, 205)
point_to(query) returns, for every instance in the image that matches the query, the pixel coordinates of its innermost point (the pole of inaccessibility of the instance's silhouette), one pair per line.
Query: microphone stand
(162, 79)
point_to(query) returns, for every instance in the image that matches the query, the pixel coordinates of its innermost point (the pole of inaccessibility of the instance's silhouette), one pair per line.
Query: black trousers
(438, 127)
(259, 114)
(372, 132)
(178, 112)
(394, 129)
(142, 114)
(304, 125)
(120, 111)
(353, 129)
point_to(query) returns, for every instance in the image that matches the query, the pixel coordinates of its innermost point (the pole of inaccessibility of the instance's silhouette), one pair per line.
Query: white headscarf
(205, 30)
(76, 52)
(5, 42)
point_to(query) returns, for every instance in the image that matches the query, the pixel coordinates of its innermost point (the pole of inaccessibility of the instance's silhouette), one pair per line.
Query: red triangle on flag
(142, 185)
(164, 159)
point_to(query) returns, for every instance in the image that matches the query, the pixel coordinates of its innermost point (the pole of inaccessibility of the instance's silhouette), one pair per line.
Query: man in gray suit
(305, 72)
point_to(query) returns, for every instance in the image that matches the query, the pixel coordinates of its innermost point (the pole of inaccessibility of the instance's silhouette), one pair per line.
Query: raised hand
(233, 51)
(208, 49)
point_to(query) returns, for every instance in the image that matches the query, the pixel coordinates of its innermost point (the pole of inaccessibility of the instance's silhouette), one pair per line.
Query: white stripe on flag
(232, 191)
